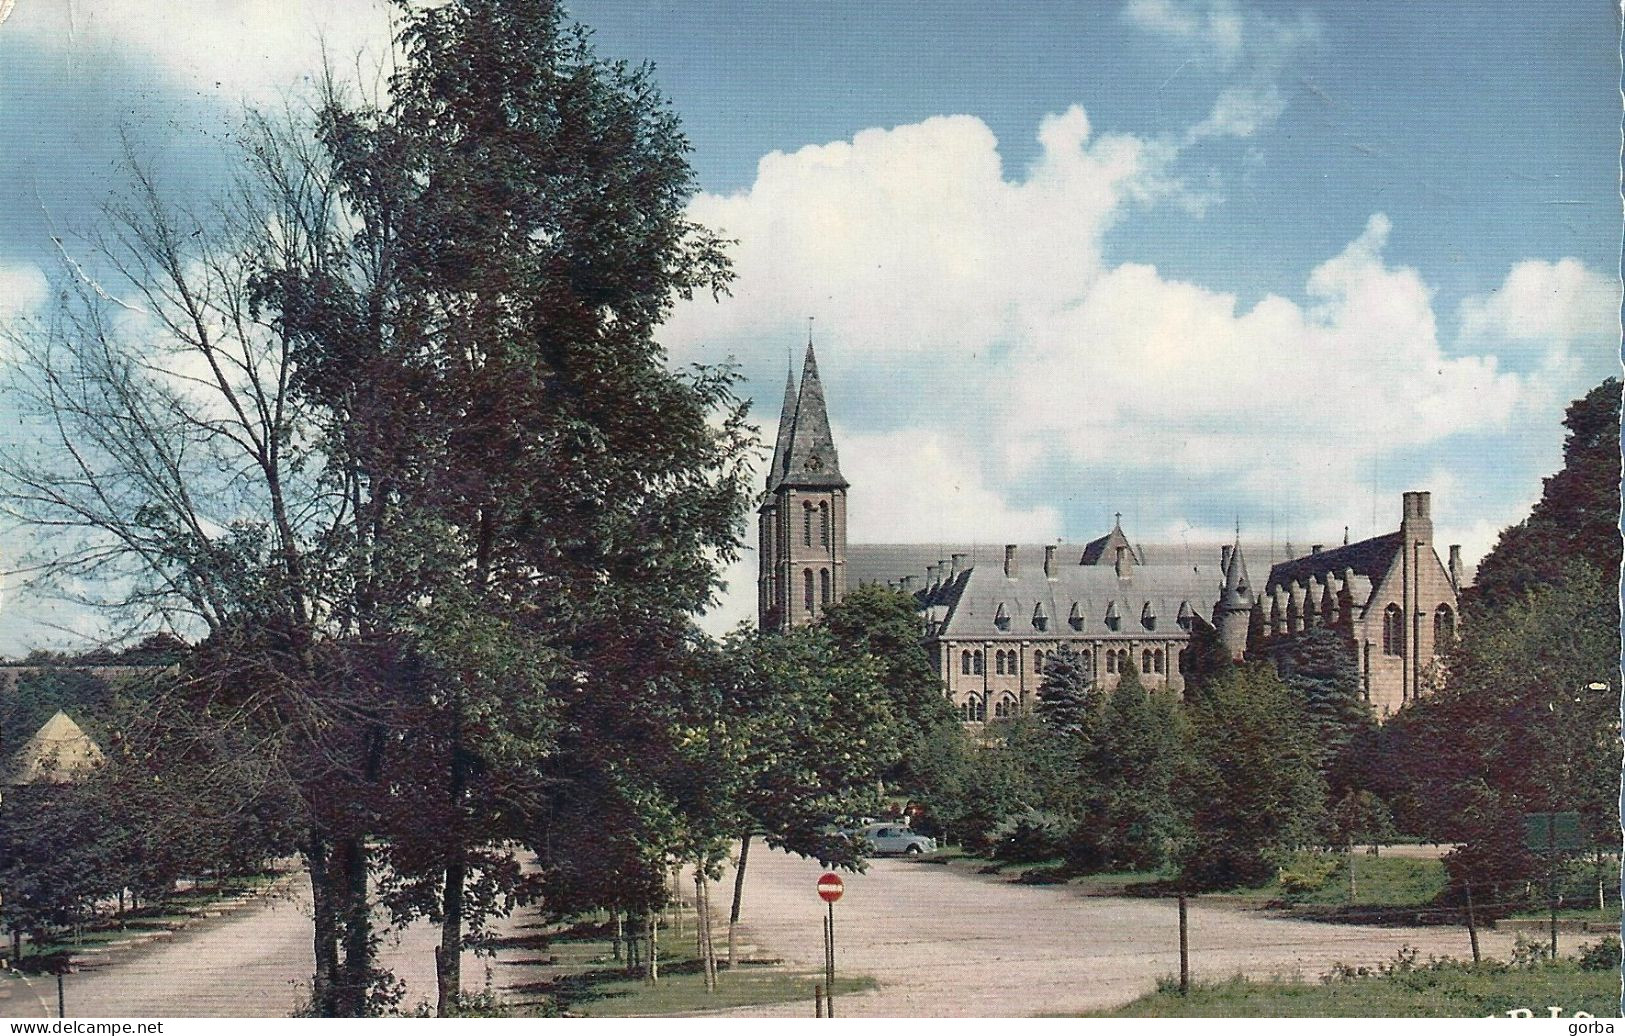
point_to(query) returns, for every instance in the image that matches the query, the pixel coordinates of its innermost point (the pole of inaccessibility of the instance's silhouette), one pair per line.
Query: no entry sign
(830, 887)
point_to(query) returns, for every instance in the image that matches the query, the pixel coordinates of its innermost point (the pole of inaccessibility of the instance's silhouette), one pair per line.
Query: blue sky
(1187, 260)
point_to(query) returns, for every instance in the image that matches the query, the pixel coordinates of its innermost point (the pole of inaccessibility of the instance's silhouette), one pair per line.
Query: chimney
(1224, 558)
(1315, 548)
(1417, 520)
(931, 577)
(1456, 571)
(907, 584)
(1122, 562)
(1009, 561)
(1049, 561)
(958, 562)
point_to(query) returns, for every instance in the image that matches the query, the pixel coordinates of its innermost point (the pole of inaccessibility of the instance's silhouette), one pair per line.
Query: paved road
(945, 943)
(255, 963)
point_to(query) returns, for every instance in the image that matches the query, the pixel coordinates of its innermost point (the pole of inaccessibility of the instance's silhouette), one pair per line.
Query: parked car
(896, 840)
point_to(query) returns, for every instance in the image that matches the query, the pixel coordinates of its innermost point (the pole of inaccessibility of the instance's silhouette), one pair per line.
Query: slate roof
(809, 457)
(973, 599)
(1370, 558)
(888, 563)
(787, 422)
(1103, 551)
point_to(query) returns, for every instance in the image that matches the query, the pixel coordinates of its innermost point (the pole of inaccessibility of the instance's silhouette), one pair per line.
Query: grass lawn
(1449, 993)
(587, 980)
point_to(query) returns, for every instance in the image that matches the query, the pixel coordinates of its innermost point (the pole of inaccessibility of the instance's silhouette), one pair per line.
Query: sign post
(830, 888)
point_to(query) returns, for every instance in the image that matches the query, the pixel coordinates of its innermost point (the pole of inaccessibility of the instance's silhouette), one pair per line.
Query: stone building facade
(991, 616)
(1395, 603)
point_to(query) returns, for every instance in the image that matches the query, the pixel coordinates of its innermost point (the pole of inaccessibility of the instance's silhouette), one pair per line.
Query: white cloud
(23, 288)
(919, 485)
(1546, 313)
(905, 239)
(240, 50)
(1254, 50)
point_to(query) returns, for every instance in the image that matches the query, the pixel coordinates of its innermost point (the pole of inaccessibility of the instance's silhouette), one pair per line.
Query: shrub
(1600, 956)
(1029, 837)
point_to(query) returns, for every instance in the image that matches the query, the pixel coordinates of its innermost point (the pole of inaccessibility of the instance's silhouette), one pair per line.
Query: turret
(1230, 615)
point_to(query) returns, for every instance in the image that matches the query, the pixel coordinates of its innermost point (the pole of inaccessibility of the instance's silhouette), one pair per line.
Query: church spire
(787, 424)
(810, 458)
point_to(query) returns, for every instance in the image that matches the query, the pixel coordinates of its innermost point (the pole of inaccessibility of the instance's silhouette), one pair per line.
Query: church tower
(801, 532)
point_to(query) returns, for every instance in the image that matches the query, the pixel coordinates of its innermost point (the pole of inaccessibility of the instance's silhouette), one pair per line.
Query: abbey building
(991, 615)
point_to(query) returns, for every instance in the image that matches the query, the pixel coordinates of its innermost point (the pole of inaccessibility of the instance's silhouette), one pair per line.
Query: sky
(1197, 261)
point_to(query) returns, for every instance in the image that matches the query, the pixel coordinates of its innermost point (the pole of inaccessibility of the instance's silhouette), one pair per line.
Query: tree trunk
(449, 954)
(357, 931)
(739, 892)
(652, 927)
(615, 938)
(710, 943)
(324, 982)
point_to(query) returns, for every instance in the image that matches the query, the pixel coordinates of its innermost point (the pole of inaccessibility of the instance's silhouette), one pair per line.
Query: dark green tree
(1576, 518)
(1134, 762)
(1066, 702)
(1251, 790)
(884, 626)
(1318, 668)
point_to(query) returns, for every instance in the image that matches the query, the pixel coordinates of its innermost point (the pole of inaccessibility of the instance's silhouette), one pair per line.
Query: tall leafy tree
(1577, 516)
(1134, 764)
(883, 626)
(1251, 789)
(524, 454)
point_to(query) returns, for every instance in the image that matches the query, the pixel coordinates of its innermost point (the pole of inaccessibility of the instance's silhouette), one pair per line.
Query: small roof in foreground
(60, 752)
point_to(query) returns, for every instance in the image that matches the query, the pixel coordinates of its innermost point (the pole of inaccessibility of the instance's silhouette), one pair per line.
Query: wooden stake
(1472, 923)
(1184, 948)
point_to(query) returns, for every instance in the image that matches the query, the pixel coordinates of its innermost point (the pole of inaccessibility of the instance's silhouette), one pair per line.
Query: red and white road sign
(830, 887)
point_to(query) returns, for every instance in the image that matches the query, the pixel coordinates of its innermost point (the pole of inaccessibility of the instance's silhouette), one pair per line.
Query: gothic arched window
(1444, 628)
(823, 524)
(1158, 661)
(823, 587)
(1393, 630)
(807, 588)
(1111, 661)
(964, 663)
(806, 525)
(1085, 657)
(976, 662)
(1145, 661)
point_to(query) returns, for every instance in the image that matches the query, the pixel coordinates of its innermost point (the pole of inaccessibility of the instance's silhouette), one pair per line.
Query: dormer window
(1040, 617)
(1148, 616)
(1074, 618)
(1185, 615)
(1001, 618)
(1114, 620)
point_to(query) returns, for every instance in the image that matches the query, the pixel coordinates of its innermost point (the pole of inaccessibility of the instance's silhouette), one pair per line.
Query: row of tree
(385, 428)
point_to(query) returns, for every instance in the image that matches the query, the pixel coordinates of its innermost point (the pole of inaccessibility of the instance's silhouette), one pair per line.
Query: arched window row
(823, 523)
(1005, 709)
(806, 524)
(973, 710)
